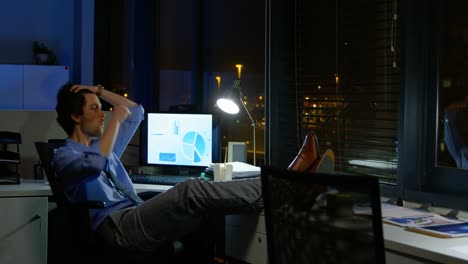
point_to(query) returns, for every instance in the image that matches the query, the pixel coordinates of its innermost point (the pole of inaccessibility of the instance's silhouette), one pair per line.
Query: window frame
(419, 178)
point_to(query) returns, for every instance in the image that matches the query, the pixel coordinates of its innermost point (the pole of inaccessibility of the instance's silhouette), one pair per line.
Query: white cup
(218, 171)
(228, 172)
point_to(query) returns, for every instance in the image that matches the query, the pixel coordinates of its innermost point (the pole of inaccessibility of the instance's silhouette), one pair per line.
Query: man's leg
(181, 210)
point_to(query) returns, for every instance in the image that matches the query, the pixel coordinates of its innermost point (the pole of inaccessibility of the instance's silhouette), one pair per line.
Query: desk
(417, 247)
(24, 223)
(23, 229)
(247, 241)
(246, 238)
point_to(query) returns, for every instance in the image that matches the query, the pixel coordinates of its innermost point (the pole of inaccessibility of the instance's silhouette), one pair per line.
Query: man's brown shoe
(308, 156)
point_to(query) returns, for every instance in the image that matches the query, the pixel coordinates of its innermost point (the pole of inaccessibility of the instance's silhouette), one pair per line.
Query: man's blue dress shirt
(83, 170)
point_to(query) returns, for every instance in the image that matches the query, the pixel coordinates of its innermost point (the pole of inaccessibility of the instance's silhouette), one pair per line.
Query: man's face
(92, 120)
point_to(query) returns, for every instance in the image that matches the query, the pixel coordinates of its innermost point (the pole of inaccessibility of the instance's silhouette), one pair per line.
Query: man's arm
(128, 128)
(108, 138)
(72, 166)
(108, 96)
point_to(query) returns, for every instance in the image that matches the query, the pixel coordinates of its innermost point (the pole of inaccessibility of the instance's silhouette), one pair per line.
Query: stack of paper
(420, 221)
(402, 216)
(240, 170)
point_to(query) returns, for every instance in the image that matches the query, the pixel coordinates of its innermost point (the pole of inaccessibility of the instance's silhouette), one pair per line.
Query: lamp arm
(237, 85)
(247, 110)
(253, 126)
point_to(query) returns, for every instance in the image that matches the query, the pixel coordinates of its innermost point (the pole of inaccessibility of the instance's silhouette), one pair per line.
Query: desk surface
(25, 188)
(444, 250)
(42, 188)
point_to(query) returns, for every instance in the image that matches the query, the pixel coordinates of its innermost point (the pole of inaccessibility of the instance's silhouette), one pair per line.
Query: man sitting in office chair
(89, 168)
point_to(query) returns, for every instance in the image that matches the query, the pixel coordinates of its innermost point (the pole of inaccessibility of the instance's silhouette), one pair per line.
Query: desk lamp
(227, 103)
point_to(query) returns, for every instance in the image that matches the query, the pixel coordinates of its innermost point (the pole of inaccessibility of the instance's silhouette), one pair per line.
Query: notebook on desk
(310, 218)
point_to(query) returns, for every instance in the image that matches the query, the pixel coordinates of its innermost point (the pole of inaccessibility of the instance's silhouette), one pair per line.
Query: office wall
(25, 21)
(33, 126)
(66, 27)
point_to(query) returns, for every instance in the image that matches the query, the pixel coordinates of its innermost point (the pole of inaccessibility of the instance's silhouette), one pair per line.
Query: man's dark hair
(461, 124)
(69, 103)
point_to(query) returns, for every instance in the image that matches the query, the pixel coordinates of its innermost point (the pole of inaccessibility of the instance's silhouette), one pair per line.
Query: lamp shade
(227, 105)
(227, 101)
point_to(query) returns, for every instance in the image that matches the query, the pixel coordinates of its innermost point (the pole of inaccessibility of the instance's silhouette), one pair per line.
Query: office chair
(68, 232)
(71, 239)
(310, 218)
(309, 158)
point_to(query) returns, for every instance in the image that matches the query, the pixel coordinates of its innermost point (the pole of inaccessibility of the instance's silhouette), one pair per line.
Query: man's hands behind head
(77, 87)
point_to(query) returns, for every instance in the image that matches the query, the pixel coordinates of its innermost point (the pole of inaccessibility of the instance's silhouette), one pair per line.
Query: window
(124, 49)
(176, 53)
(234, 34)
(400, 104)
(421, 179)
(453, 66)
(347, 81)
(202, 40)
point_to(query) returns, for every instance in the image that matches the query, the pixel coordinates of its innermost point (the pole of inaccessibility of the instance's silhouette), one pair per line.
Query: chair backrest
(77, 215)
(312, 218)
(68, 230)
(45, 150)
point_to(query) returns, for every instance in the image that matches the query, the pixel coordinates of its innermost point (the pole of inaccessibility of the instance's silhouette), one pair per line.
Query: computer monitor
(322, 218)
(179, 140)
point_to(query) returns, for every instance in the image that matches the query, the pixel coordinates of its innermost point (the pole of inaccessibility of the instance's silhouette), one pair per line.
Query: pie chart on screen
(193, 146)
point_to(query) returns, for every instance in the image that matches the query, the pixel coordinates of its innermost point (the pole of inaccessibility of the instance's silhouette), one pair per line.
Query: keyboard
(159, 179)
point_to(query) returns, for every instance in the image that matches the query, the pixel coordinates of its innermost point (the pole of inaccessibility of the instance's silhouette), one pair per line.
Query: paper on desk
(442, 230)
(410, 217)
(390, 210)
(241, 170)
(420, 221)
